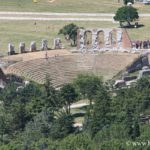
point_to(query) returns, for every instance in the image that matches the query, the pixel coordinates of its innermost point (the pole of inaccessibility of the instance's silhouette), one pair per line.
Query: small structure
(57, 43)
(33, 46)
(44, 44)
(22, 47)
(11, 49)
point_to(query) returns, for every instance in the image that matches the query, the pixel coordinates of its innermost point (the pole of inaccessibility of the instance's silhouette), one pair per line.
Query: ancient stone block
(44, 44)
(22, 48)
(57, 43)
(11, 49)
(33, 46)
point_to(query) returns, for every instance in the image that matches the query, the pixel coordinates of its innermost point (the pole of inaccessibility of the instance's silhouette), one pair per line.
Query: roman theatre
(63, 65)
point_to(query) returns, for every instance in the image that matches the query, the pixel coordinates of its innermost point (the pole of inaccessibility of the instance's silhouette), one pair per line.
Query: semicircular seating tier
(63, 69)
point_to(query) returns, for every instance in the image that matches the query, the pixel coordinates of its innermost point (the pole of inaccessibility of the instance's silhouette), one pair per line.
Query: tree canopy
(70, 31)
(34, 117)
(126, 14)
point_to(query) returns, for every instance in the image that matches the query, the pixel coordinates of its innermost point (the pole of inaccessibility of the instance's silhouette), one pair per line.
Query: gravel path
(59, 16)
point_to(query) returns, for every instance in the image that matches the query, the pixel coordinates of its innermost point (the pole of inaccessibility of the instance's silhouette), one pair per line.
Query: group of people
(141, 44)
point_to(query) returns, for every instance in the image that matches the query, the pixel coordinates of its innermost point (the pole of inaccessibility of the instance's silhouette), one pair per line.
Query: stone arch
(113, 38)
(100, 39)
(88, 39)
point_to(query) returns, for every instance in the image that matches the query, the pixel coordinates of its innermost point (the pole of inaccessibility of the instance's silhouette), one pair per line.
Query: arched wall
(99, 39)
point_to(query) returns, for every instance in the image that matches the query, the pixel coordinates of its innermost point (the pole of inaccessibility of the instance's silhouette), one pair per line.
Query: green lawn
(26, 31)
(103, 6)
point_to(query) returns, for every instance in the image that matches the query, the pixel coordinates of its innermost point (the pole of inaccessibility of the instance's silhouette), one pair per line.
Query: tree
(126, 14)
(70, 30)
(128, 1)
(88, 85)
(77, 142)
(62, 126)
(101, 112)
(51, 100)
(68, 95)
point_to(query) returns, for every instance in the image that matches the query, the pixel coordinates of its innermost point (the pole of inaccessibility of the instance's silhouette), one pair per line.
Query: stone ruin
(22, 47)
(57, 43)
(103, 39)
(11, 49)
(33, 46)
(44, 44)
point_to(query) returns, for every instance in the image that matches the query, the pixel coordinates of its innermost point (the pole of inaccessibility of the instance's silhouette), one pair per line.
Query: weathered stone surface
(145, 61)
(57, 43)
(44, 44)
(33, 46)
(11, 49)
(112, 40)
(22, 48)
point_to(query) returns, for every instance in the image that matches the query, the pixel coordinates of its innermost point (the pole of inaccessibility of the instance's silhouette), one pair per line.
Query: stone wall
(114, 39)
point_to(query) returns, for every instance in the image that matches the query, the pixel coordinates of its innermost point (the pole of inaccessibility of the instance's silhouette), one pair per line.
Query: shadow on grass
(134, 26)
(78, 115)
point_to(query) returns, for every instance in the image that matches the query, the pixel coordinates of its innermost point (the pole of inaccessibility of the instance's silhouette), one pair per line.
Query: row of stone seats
(58, 69)
(62, 69)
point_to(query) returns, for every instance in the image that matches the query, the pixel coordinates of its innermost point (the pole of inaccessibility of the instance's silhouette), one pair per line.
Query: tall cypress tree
(101, 112)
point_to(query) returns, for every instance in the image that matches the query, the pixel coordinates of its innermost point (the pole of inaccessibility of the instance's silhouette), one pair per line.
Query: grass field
(97, 6)
(26, 31)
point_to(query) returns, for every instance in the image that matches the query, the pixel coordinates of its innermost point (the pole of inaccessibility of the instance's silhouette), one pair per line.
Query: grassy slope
(102, 6)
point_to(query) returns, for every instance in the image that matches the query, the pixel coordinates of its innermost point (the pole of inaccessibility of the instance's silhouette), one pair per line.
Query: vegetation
(103, 6)
(15, 32)
(126, 14)
(33, 117)
(70, 33)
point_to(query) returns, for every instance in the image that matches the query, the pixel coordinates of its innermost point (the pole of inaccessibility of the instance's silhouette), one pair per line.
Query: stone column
(57, 43)
(106, 37)
(33, 46)
(22, 48)
(11, 49)
(119, 39)
(44, 44)
(94, 40)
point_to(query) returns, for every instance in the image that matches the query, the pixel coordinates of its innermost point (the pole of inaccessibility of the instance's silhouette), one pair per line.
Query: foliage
(34, 117)
(88, 85)
(77, 142)
(100, 116)
(62, 126)
(70, 30)
(126, 14)
(68, 95)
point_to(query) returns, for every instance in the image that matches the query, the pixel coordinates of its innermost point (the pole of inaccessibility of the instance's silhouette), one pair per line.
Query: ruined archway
(100, 39)
(88, 39)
